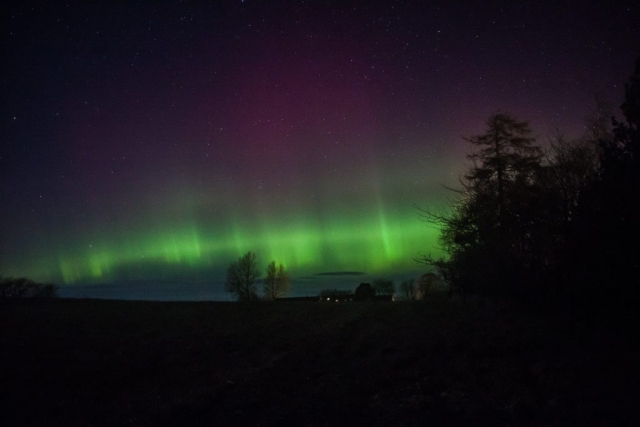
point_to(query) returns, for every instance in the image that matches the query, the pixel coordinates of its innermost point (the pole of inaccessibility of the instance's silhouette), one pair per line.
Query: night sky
(162, 140)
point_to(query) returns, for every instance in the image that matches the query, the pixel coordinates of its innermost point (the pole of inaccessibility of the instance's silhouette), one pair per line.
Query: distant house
(364, 292)
(335, 295)
(297, 299)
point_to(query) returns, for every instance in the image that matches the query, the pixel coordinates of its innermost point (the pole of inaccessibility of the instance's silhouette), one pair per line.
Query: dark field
(91, 362)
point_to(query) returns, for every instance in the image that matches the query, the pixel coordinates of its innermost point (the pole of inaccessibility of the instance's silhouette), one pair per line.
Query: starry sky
(162, 140)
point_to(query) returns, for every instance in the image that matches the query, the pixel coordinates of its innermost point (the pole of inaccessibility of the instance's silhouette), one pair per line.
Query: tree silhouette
(408, 290)
(426, 284)
(384, 287)
(276, 282)
(608, 219)
(241, 277)
(631, 105)
(506, 154)
(555, 231)
(489, 234)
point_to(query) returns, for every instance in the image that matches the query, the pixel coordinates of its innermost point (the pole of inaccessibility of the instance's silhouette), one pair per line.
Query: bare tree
(408, 290)
(276, 284)
(384, 287)
(241, 277)
(426, 284)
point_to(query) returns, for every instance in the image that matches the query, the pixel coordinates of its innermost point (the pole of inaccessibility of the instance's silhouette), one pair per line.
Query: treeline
(243, 276)
(426, 287)
(25, 288)
(556, 227)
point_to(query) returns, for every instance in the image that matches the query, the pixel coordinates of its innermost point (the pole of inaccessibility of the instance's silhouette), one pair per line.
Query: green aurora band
(375, 244)
(179, 231)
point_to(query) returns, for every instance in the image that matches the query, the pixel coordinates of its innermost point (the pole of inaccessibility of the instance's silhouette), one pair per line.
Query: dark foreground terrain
(91, 362)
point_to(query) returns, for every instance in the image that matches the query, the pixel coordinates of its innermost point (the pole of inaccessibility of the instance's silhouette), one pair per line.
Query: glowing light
(370, 243)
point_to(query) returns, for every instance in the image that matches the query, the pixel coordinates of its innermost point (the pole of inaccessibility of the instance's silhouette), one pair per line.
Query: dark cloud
(341, 273)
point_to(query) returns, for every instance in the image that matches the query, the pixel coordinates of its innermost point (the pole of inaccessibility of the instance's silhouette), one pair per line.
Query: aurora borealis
(161, 141)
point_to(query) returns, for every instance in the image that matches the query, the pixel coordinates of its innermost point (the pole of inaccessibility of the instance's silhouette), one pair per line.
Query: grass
(103, 363)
